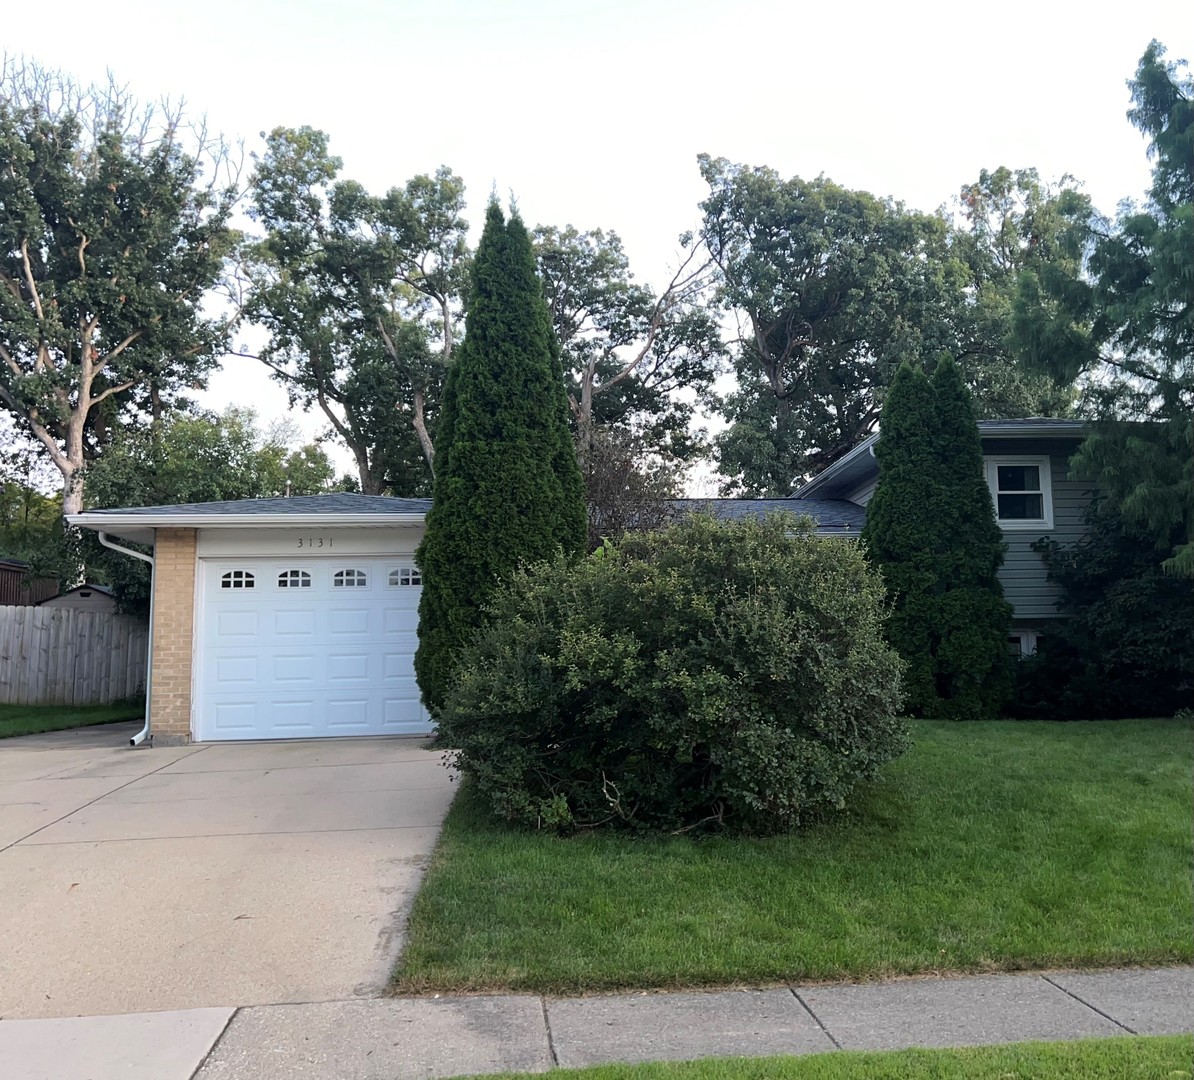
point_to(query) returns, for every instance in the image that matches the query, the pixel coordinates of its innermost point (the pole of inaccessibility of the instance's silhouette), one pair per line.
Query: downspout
(144, 733)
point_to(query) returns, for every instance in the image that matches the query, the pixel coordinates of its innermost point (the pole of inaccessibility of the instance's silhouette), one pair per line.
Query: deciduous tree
(633, 360)
(359, 295)
(113, 230)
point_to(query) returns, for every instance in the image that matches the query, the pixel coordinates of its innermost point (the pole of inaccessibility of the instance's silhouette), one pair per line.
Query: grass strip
(1158, 1057)
(35, 719)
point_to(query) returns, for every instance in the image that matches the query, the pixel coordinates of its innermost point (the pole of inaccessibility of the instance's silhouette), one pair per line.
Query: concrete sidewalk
(396, 1038)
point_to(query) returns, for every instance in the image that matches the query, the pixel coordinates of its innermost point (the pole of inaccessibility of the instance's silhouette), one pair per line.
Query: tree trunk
(420, 426)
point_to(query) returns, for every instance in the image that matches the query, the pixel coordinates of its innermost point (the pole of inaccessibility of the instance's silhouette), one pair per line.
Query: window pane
(1019, 478)
(1021, 508)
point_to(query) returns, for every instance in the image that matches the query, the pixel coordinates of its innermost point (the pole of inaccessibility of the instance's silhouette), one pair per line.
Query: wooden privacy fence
(60, 656)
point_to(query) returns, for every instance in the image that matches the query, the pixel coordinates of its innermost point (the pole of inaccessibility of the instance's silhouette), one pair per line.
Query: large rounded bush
(709, 675)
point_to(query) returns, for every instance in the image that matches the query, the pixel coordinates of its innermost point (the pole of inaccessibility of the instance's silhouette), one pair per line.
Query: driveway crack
(92, 802)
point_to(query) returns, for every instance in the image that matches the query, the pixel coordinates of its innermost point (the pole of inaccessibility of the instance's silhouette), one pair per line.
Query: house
(18, 589)
(298, 617)
(1027, 471)
(86, 597)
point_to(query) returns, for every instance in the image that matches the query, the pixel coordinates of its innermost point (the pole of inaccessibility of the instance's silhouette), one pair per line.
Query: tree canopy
(1121, 323)
(359, 295)
(834, 289)
(112, 231)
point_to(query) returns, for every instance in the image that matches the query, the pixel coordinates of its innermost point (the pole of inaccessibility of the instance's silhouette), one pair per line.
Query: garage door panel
(289, 669)
(347, 622)
(349, 667)
(398, 665)
(292, 625)
(235, 670)
(293, 716)
(402, 715)
(237, 623)
(309, 659)
(235, 717)
(346, 715)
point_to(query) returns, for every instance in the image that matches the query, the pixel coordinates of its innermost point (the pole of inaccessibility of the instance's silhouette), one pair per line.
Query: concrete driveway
(211, 875)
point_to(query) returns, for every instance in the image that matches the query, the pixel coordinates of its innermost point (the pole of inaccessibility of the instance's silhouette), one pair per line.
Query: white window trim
(1017, 524)
(1029, 639)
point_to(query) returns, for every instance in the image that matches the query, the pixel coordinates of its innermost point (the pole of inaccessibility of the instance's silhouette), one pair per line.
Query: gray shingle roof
(1016, 424)
(342, 502)
(829, 514)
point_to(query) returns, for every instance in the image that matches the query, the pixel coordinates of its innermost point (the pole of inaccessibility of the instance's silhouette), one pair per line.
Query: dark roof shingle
(838, 515)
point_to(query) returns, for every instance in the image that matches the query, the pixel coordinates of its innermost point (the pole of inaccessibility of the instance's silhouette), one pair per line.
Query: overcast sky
(592, 114)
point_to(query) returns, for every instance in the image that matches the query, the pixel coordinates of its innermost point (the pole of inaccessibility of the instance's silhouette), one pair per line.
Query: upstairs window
(349, 579)
(1021, 492)
(405, 575)
(294, 579)
(237, 579)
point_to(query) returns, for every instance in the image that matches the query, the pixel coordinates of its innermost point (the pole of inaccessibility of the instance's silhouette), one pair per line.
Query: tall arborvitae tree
(972, 668)
(900, 534)
(508, 488)
(931, 529)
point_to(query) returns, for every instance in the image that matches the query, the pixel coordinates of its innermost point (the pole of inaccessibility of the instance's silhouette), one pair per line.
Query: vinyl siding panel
(1023, 575)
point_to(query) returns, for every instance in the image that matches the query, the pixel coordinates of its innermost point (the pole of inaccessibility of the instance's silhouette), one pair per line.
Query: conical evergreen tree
(899, 534)
(972, 668)
(931, 530)
(508, 487)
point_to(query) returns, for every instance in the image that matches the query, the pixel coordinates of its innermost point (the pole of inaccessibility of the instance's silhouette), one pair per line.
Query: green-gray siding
(1023, 575)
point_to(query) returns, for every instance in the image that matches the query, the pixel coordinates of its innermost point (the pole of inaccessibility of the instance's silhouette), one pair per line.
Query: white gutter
(106, 520)
(144, 733)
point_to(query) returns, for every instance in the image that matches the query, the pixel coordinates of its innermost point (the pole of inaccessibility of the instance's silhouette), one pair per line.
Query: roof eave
(844, 465)
(109, 522)
(1035, 431)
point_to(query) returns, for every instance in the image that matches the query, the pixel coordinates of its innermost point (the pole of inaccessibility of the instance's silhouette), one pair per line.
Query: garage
(307, 648)
(293, 618)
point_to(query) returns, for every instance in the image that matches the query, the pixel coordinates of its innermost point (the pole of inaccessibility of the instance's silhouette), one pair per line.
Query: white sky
(592, 114)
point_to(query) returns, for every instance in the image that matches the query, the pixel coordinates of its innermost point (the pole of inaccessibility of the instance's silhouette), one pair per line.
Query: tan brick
(173, 635)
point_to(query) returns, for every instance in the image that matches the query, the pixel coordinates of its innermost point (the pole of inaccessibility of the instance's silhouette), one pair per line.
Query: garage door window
(237, 579)
(350, 579)
(405, 576)
(294, 579)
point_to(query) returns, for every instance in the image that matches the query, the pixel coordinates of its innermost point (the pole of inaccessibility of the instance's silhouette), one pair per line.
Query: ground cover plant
(34, 719)
(703, 676)
(994, 845)
(1090, 1059)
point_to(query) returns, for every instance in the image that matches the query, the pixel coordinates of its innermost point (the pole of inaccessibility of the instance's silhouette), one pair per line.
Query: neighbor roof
(831, 515)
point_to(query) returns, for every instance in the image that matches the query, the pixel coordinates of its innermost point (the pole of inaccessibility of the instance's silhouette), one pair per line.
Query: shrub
(708, 675)
(1127, 648)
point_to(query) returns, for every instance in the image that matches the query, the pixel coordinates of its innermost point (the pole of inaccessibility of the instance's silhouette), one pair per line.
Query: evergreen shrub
(705, 676)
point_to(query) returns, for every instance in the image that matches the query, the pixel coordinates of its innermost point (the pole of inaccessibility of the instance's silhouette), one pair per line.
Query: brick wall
(173, 636)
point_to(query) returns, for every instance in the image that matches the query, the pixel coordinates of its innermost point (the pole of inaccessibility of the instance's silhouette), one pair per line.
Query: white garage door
(306, 648)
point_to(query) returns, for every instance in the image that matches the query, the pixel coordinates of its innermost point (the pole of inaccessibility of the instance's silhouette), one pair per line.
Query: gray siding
(1023, 574)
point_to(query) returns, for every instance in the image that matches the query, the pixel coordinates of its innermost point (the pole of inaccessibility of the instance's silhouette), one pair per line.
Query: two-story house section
(1027, 469)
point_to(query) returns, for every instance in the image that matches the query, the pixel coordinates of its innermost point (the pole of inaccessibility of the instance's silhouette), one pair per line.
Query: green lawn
(1168, 1057)
(34, 719)
(990, 846)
